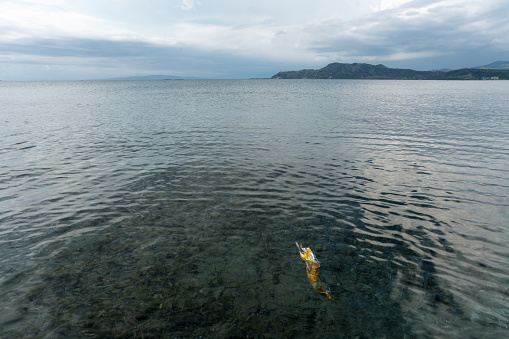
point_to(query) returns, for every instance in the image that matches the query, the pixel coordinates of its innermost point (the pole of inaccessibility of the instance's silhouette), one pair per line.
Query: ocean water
(144, 209)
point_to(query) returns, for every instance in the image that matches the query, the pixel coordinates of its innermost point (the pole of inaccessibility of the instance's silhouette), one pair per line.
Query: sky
(221, 39)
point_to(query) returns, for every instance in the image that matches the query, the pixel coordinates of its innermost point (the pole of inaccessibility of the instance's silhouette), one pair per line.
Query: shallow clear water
(171, 208)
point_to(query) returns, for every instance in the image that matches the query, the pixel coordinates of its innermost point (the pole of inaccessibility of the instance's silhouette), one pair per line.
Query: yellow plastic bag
(312, 268)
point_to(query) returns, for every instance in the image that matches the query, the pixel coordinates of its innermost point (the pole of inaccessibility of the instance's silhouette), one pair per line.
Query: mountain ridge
(368, 71)
(495, 65)
(151, 77)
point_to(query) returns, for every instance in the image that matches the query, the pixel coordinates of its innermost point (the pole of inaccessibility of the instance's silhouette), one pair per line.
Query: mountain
(368, 71)
(350, 71)
(441, 70)
(151, 77)
(495, 65)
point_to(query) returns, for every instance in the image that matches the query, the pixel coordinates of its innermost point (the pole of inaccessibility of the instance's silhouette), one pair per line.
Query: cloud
(388, 4)
(64, 59)
(19, 21)
(188, 4)
(170, 36)
(414, 30)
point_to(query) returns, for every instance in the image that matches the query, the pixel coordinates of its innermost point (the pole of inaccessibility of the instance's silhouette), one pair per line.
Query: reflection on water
(171, 208)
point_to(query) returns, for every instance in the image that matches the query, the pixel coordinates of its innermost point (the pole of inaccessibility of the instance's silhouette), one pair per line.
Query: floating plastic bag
(312, 268)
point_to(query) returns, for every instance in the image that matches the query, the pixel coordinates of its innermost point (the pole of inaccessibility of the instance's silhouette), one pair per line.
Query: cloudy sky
(76, 39)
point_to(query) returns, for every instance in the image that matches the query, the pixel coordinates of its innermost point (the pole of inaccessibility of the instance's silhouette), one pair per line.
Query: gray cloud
(67, 47)
(416, 31)
(93, 58)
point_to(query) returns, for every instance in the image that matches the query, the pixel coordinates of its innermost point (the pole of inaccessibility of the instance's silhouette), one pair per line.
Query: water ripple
(181, 202)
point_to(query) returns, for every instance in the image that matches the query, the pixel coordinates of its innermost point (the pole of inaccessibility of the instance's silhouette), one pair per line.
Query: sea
(172, 209)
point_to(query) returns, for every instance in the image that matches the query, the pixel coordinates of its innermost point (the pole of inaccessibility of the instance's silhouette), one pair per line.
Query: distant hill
(441, 70)
(368, 71)
(151, 77)
(495, 65)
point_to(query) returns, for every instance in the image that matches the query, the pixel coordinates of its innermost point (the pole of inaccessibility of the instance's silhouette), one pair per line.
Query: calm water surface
(171, 208)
